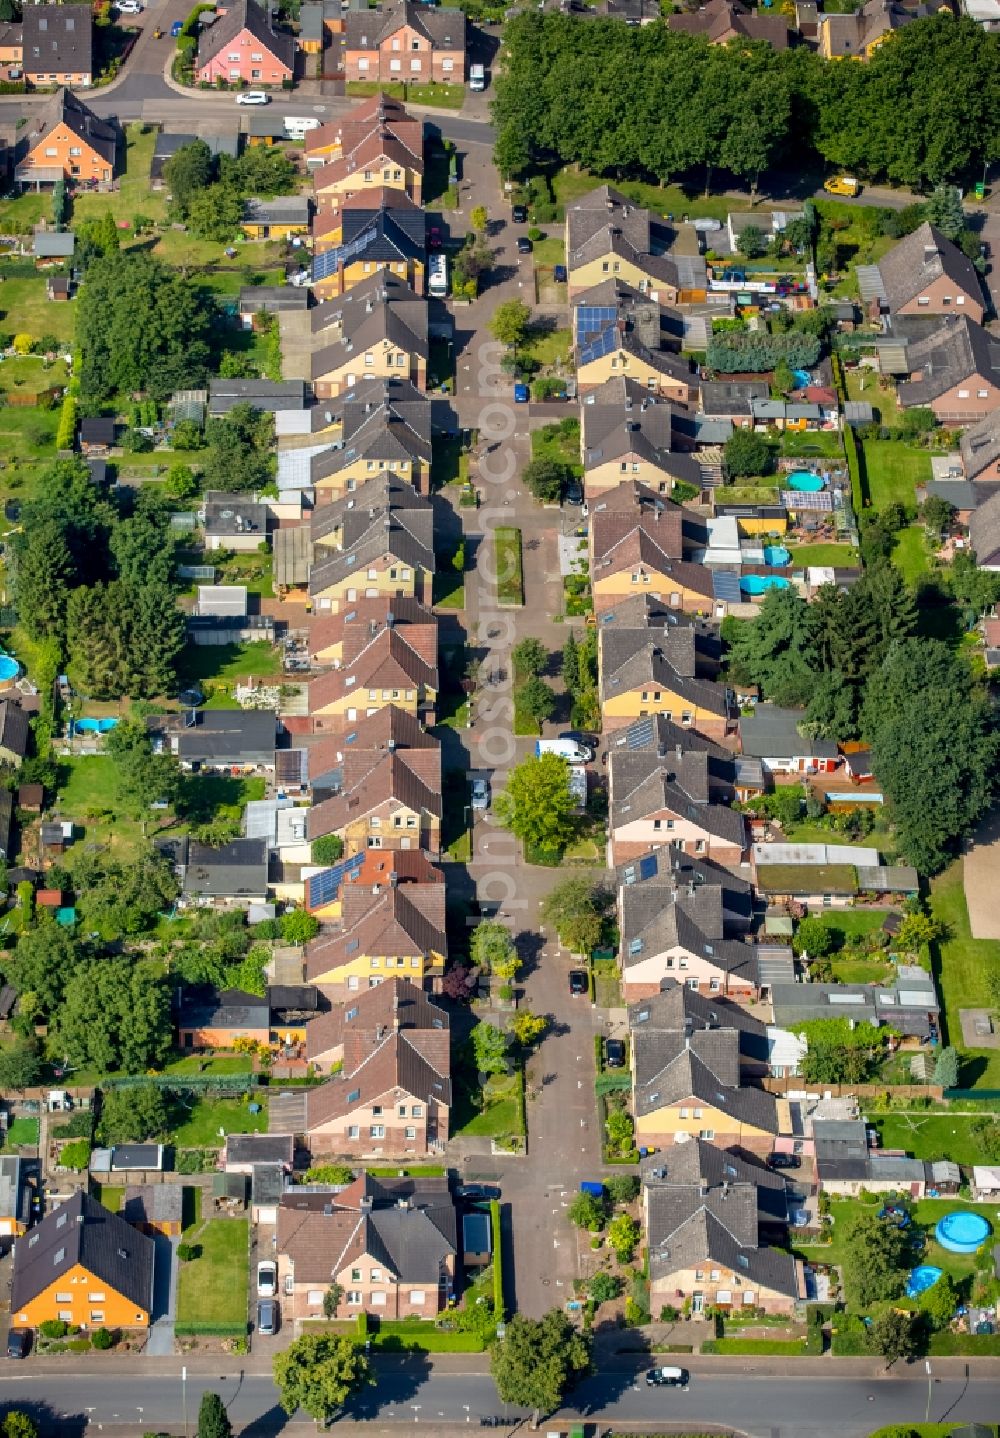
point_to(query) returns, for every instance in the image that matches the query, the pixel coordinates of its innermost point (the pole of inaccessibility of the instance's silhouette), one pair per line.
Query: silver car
(480, 794)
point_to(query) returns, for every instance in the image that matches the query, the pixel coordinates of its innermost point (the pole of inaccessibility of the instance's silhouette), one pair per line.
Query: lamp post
(930, 1381)
(184, 1397)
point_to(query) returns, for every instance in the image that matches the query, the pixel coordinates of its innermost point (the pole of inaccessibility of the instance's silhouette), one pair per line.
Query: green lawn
(865, 385)
(208, 1115)
(894, 470)
(22, 1132)
(549, 348)
(569, 184)
(809, 443)
(449, 589)
(225, 664)
(444, 97)
(24, 309)
(502, 1113)
(20, 216)
(89, 796)
(456, 836)
(550, 251)
(510, 578)
(559, 441)
(909, 553)
(932, 1136)
(220, 1064)
(835, 556)
(212, 1288)
(133, 195)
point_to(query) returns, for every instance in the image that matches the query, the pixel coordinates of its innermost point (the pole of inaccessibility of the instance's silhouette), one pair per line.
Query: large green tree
(213, 1420)
(114, 1016)
(189, 171)
(318, 1373)
(576, 909)
(876, 1253)
(538, 1360)
(238, 457)
(134, 1115)
(537, 804)
(142, 777)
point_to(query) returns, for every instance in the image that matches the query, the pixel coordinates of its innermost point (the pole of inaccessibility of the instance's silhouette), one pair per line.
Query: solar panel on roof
(648, 867)
(726, 585)
(323, 887)
(799, 499)
(327, 263)
(592, 319)
(639, 735)
(599, 346)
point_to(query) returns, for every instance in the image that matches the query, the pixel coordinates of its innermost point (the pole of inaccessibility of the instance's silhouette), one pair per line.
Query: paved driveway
(161, 1333)
(980, 867)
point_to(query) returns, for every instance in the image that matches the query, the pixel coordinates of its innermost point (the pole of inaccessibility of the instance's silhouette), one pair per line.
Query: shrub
(186, 1252)
(53, 1328)
(103, 1339)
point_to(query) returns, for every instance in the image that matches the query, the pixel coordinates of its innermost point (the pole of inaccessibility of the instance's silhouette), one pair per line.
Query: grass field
(559, 441)
(549, 347)
(502, 1113)
(227, 663)
(835, 556)
(909, 553)
(24, 309)
(212, 1288)
(812, 443)
(510, 578)
(89, 796)
(932, 1136)
(962, 965)
(894, 470)
(449, 589)
(219, 1064)
(550, 251)
(22, 1132)
(569, 184)
(201, 1128)
(133, 195)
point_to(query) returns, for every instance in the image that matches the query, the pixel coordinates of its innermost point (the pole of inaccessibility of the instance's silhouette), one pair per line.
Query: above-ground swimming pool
(805, 481)
(9, 670)
(761, 583)
(776, 555)
(962, 1231)
(921, 1279)
(93, 726)
(801, 377)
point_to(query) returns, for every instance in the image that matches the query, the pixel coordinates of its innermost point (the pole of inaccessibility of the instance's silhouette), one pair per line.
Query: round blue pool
(921, 1279)
(761, 583)
(805, 481)
(776, 555)
(9, 670)
(801, 377)
(962, 1231)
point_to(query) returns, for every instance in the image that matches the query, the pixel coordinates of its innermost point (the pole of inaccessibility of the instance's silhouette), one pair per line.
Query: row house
(374, 550)
(376, 330)
(620, 331)
(381, 232)
(242, 47)
(402, 41)
(372, 869)
(667, 670)
(627, 433)
(608, 237)
(342, 136)
(380, 161)
(383, 800)
(395, 933)
(386, 665)
(676, 801)
(383, 425)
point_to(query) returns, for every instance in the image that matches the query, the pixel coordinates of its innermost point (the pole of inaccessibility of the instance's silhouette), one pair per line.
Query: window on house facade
(354, 1297)
(377, 1130)
(378, 1300)
(411, 1132)
(418, 1297)
(353, 1131)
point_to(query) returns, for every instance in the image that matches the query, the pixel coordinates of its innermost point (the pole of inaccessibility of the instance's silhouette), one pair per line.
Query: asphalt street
(409, 1394)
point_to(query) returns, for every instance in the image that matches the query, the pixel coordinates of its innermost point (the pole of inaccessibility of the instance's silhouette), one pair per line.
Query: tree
(133, 1115)
(238, 456)
(331, 1300)
(188, 172)
(298, 927)
(814, 938)
(264, 170)
(946, 1068)
(938, 516)
(18, 1425)
(528, 1028)
(623, 1188)
(213, 1420)
(940, 1301)
(576, 908)
(43, 571)
(530, 657)
(458, 983)
(538, 1360)
(479, 218)
(875, 1255)
(604, 1287)
(547, 478)
(215, 213)
(509, 323)
(535, 699)
(894, 1334)
(537, 804)
(115, 1016)
(623, 1235)
(747, 453)
(587, 1211)
(944, 210)
(45, 959)
(915, 931)
(142, 778)
(751, 242)
(838, 1053)
(319, 1373)
(20, 1066)
(328, 849)
(491, 948)
(489, 1048)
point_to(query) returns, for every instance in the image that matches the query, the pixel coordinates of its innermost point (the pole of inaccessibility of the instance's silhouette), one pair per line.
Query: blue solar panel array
(639, 735)
(324, 887)
(726, 585)
(327, 263)
(596, 332)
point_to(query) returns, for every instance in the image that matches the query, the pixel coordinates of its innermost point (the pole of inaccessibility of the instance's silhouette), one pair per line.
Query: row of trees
(95, 580)
(208, 192)
(647, 101)
(855, 661)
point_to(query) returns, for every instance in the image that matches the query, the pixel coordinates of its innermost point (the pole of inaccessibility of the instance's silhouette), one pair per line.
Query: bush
(103, 1339)
(187, 1252)
(53, 1328)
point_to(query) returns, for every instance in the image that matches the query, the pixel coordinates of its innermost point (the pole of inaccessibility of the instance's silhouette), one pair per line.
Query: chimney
(366, 1203)
(391, 746)
(393, 880)
(390, 620)
(379, 1028)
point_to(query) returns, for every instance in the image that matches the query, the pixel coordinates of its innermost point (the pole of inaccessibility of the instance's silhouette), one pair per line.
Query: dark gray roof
(268, 1182)
(232, 871)
(136, 1156)
(604, 221)
(676, 1009)
(672, 1068)
(13, 728)
(263, 394)
(301, 998)
(53, 244)
(227, 736)
(273, 299)
(232, 514)
(103, 1243)
(66, 109)
(731, 398)
(685, 785)
(260, 1148)
(153, 1203)
(285, 210)
(980, 445)
(406, 534)
(15, 1196)
(387, 420)
(772, 733)
(444, 29)
(670, 869)
(984, 530)
(615, 424)
(58, 40)
(230, 1009)
(99, 430)
(240, 15)
(681, 659)
(921, 258)
(384, 309)
(960, 350)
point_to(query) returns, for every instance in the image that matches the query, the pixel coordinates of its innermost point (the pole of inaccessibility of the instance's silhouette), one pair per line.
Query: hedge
(66, 432)
(224, 1083)
(210, 1330)
(190, 26)
(786, 1347)
(499, 1310)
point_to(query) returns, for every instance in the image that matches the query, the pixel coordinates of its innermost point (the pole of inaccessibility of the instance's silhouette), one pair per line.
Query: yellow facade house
(398, 934)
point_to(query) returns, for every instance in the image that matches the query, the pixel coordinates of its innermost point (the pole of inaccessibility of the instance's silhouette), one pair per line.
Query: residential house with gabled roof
(955, 372)
(373, 869)
(387, 666)
(980, 451)
(609, 237)
(400, 41)
(333, 636)
(716, 1224)
(396, 933)
(383, 159)
(660, 735)
(383, 551)
(619, 330)
(376, 330)
(386, 800)
(926, 274)
(378, 112)
(688, 1087)
(639, 548)
(857, 36)
(984, 533)
(243, 47)
(65, 140)
(389, 1244)
(679, 1008)
(358, 1020)
(773, 736)
(384, 493)
(84, 1266)
(385, 424)
(669, 669)
(628, 433)
(14, 733)
(353, 242)
(391, 1098)
(682, 800)
(721, 21)
(58, 46)
(388, 731)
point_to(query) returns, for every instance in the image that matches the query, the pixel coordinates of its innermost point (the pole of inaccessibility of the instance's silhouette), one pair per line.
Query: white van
(477, 77)
(298, 126)
(437, 276)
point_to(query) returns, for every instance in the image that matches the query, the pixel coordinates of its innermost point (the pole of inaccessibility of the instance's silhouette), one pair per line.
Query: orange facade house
(66, 141)
(85, 1266)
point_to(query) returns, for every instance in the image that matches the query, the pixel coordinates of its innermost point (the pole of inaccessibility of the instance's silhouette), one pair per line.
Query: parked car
(574, 491)
(559, 274)
(523, 245)
(434, 238)
(268, 1317)
(477, 1192)
(253, 97)
(614, 1053)
(18, 1343)
(519, 214)
(667, 1377)
(267, 1278)
(129, 7)
(578, 982)
(480, 794)
(785, 1160)
(522, 394)
(582, 741)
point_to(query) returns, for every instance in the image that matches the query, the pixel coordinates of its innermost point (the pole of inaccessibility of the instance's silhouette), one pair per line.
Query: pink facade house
(243, 48)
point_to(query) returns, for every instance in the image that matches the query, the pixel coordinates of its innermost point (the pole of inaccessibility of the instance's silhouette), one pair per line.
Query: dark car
(523, 245)
(785, 1160)
(559, 274)
(578, 982)
(475, 1192)
(667, 1377)
(434, 238)
(519, 214)
(574, 491)
(268, 1317)
(614, 1053)
(18, 1343)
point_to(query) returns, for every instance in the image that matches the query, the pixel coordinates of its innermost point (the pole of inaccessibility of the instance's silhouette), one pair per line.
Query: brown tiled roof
(396, 1004)
(367, 29)
(720, 17)
(330, 629)
(919, 259)
(391, 660)
(411, 779)
(379, 113)
(621, 541)
(373, 735)
(378, 145)
(396, 923)
(416, 1061)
